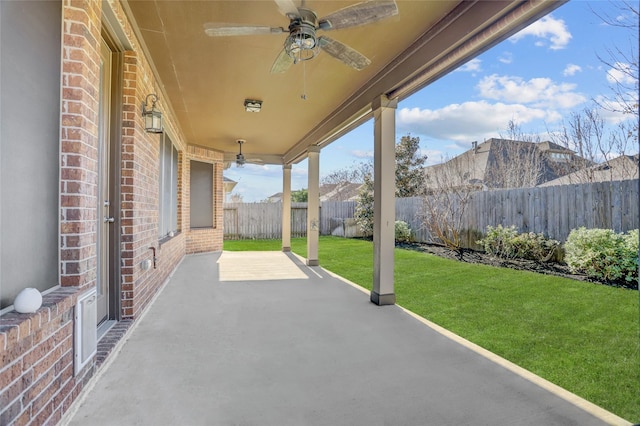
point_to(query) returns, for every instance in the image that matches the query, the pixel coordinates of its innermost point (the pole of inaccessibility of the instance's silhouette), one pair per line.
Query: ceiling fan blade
(359, 14)
(344, 53)
(287, 8)
(282, 63)
(219, 29)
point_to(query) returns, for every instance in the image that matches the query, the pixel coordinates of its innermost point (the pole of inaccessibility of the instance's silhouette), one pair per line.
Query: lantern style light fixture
(152, 117)
(302, 44)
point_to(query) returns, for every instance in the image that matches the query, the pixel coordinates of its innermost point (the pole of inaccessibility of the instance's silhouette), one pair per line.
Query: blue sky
(536, 78)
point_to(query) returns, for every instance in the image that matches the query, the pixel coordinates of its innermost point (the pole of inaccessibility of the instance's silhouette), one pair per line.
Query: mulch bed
(472, 256)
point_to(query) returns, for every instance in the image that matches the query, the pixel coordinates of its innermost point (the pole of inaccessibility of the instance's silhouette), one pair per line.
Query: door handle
(109, 219)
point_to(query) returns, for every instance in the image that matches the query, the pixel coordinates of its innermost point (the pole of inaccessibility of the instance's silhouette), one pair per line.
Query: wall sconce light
(251, 105)
(152, 117)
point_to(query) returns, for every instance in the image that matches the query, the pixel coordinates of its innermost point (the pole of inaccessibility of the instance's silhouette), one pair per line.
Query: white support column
(313, 205)
(384, 200)
(286, 207)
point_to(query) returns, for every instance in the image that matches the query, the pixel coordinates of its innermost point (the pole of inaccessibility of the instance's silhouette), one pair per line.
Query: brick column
(79, 143)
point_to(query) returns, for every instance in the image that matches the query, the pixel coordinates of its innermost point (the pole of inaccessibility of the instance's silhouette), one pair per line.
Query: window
(201, 203)
(168, 202)
(560, 157)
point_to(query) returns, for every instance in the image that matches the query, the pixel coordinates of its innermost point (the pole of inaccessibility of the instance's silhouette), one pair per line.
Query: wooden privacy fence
(553, 211)
(262, 220)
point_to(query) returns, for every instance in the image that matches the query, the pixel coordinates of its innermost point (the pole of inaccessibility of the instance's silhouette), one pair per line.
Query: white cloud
(506, 58)
(550, 30)
(362, 154)
(611, 111)
(621, 73)
(468, 121)
(539, 92)
(473, 65)
(571, 69)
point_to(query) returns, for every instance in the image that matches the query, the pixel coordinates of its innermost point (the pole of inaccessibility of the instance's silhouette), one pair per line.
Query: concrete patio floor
(262, 339)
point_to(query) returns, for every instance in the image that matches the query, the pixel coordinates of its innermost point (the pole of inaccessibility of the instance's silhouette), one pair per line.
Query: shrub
(534, 246)
(403, 232)
(603, 253)
(499, 241)
(630, 258)
(507, 243)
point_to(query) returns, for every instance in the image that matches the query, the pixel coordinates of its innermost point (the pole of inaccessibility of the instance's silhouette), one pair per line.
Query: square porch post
(286, 207)
(313, 206)
(384, 200)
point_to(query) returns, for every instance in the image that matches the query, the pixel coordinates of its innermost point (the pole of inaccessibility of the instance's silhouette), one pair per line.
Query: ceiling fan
(302, 43)
(240, 158)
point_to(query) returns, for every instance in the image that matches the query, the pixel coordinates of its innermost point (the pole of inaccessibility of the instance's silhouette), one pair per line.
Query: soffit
(206, 79)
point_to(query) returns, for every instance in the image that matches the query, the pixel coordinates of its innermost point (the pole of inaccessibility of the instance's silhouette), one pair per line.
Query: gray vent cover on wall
(86, 338)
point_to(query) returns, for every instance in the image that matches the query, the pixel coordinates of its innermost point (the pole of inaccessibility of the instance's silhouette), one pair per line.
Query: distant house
(624, 167)
(345, 191)
(275, 198)
(228, 185)
(504, 163)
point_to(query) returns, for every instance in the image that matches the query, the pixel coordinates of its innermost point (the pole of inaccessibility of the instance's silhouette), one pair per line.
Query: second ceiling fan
(302, 43)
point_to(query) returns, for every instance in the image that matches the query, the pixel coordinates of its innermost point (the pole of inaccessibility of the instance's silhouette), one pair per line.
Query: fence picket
(553, 211)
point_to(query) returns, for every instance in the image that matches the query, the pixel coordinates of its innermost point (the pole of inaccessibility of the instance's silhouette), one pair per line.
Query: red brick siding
(204, 240)
(36, 350)
(140, 193)
(79, 142)
(36, 358)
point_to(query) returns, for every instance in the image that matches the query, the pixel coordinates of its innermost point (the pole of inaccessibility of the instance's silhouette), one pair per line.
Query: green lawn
(581, 336)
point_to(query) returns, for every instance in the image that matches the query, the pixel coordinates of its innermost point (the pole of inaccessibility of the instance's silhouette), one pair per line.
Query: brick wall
(140, 173)
(37, 384)
(36, 350)
(36, 380)
(79, 143)
(204, 240)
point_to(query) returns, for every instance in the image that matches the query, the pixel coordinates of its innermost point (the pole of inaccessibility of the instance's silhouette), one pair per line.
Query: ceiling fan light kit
(302, 44)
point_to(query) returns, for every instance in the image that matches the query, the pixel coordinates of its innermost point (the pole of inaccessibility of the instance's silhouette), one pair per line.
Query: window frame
(195, 200)
(168, 187)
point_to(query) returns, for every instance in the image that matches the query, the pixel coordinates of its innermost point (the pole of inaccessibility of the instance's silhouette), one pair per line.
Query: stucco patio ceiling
(205, 80)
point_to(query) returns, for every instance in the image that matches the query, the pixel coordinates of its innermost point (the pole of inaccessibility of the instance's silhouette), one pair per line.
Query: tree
(518, 163)
(300, 196)
(353, 174)
(409, 180)
(235, 197)
(341, 178)
(445, 203)
(409, 167)
(622, 62)
(587, 133)
(364, 206)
